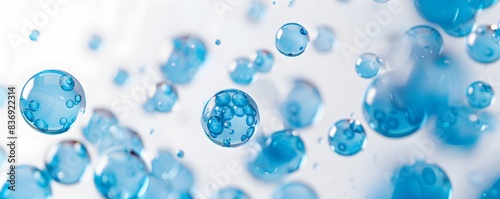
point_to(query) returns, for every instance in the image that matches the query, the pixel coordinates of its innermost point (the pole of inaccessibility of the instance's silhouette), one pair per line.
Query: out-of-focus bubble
(67, 161)
(325, 39)
(30, 183)
(95, 42)
(121, 77)
(295, 190)
(34, 35)
(99, 124)
(426, 42)
(292, 39)
(119, 137)
(368, 65)
(262, 61)
(347, 137)
(480, 95)
(188, 55)
(256, 11)
(242, 71)
(481, 44)
(162, 98)
(229, 193)
(302, 106)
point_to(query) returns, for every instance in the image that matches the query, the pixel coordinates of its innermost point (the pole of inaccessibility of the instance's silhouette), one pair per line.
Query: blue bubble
(157, 189)
(274, 2)
(347, 137)
(438, 11)
(281, 153)
(256, 11)
(217, 42)
(292, 39)
(481, 44)
(302, 105)
(325, 39)
(67, 162)
(95, 42)
(480, 95)
(463, 23)
(119, 137)
(421, 180)
(44, 101)
(224, 118)
(295, 190)
(34, 35)
(482, 4)
(183, 181)
(31, 183)
(368, 65)
(426, 42)
(121, 77)
(98, 126)
(262, 61)
(386, 109)
(163, 99)
(493, 192)
(121, 174)
(242, 71)
(165, 166)
(229, 193)
(180, 154)
(188, 55)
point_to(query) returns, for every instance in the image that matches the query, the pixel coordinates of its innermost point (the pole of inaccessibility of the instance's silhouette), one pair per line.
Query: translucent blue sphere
(438, 11)
(425, 41)
(217, 42)
(421, 180)
(295, 190)
(480, 95)
(324, 40)
(387, 110)
(121, 174)
(120, 137)
(34, 35)
(121, 77)
(281, 153)
(188, 55)
(31, 183)
(482, 4)
(229, 193)
(99, 124)
(242, 71)
(256, 11)
(302, 106)
(292, 39)
(464, 21)
(493, 192)
(462, 126)
(230, 118)
(347, 137)
(172, 173)
(482, 45)
(95, 42)
(51, 101)
(263, 61)
(67, 161)
(156, 189)
(368, 65)
(162, 99)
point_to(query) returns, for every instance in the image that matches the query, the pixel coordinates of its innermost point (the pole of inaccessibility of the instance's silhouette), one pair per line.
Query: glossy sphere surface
(295, 190)
(483, 45)
(368, 65)
(480, 95)
(188, 55)
(67, 161)
(347, 137)
(292, 39)
(31, 183)
(242, 71)
(463, 126)
(302, 105)
(263, 61)
(163, 98)
(325, 40)
(51, 101)
(425, 42)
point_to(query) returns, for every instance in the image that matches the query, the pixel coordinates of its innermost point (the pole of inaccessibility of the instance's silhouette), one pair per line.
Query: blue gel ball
(483, 45)
(262, 61)
(242, 71)
(67, 161)
(99, 124)
(325, 39)
(480, 95)
(119, 137)
(51, 101)
(426, 42)
(292, 39)
(162, 99)
(121, 77)
(229, 193)
(121, 174)
(302, 105)
(95, 42)
(368, 65)
(188, 55)
(31, 183)
(347, 137)
(165, 166)
(295, 190)
(230, 118)
(421, 180)
(34, 35)
(256, 11)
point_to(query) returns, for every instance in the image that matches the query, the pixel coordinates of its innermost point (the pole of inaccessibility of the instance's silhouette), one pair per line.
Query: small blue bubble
(292, 39)
(256, 11)
(229, 193)
(41, 125)
(302, 105)
(34, 35)
(98, 126)
(480, 95)
(274, 2)
(119, 137)
(121, 77)
(30, 183)
(165, 166)
(426, 42)
(249, 110)
(240, 99)
(481, 44)
(295, 190)
(95, 42)
(67, 83)
(34, 105)
(222, 99)
(263, 61)
(70, 103)
(180, 154)
(67, 162)
(368, 65)
(242, 71)
(164, 98)
(493, 192)
(250, 120)
(217, 42)
(349, 134)
(325, 39)
(214, 125)
(187, 57)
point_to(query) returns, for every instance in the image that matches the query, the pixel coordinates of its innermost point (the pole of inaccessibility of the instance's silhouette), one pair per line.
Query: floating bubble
(295, 190)
(67, 161)
(368, 65)
(217, 42)
(119, 137)
(263, 61)
(229, 193)
(421, 180)
(162, 98)
(292, 39)
(157, 189)
(425, 42)
(438, 11)
(302, 105)
(121, 174)
(31, 183)
(387, 110)
(324, 40)
(121, 77)
(281, 153)
(52, 91)
(99, 124)
(183, 181)
(242, 71)
(347, 137)
(180, 154)
(165, 166)
(230, 118)
(458, 125)
(34, 35)
(257, 11)
(480, 95)
(493, 192)
(95, 42)
(188, 55)
(481, 44)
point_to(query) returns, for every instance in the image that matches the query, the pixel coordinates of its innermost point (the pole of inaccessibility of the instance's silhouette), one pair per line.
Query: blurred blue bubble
(163, 98)
(302, 106)
(481, 44)
(121, 77)
(99, 124)
(67, 161)
(229, 193)
(30, 183)
(242, 71)
(295, 190)
(188, 55)
(347, 137)
(368, 65)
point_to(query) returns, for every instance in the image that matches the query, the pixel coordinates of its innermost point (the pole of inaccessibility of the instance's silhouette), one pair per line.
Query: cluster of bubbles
(243, 71)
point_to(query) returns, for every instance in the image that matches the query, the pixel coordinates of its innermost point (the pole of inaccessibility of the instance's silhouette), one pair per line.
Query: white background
(138, 33)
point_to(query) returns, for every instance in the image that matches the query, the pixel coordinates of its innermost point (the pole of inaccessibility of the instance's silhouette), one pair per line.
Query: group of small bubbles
(229, 193)
(30, 183)
(243, 71)
(188, 55)
(368, 65)
(421, 180)
(230, 118)
(256, 11)
(347, 137)
(292, 39)
(95, 42)
(162, 98)
(51, 101)
(67, 161)
(121, 77)
(480, 95)
(295, 190)
(325, 39)
(492, 192)
(281, 153)
(34, 35)
(302, 106)
(171, 173)
(483, 45)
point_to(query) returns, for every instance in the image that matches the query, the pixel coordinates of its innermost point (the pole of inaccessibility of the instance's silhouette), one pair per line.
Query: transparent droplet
(30, 182)
(98, 126)
(188, 55)
(368, 65)
(119, 137)
(426, 42)
(481, 44)
(242, 71)
(121, 77)
(67, 161)
(95, 42)
(262, 61)
(295, 190)
(480, 95)
(256, 11)
(348, 132)
(162, 98)
(34, 35)
(325, 39)
(302, 105)
(292, 39)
